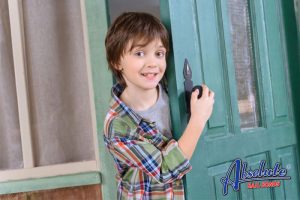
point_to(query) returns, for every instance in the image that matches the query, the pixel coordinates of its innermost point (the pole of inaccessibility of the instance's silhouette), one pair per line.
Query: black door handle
(188, 85)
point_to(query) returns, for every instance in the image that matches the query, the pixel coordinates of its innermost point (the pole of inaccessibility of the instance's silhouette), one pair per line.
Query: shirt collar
(120, 107)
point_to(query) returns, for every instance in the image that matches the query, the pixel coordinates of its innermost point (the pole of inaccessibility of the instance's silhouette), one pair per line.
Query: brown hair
(135, 27)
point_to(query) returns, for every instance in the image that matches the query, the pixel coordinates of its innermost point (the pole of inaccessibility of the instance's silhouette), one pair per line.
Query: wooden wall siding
(90, 192)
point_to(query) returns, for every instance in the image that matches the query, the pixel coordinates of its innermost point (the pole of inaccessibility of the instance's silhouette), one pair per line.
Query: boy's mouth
(149, 75)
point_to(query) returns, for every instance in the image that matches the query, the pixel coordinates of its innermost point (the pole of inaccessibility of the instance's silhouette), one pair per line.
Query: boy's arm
(164, 165)
(201, 110)
(169, 163)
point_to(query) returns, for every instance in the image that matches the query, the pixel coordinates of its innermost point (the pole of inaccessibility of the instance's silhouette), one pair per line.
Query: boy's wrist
(197, 122)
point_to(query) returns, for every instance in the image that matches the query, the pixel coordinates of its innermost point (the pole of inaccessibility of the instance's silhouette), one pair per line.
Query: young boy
(137, 132)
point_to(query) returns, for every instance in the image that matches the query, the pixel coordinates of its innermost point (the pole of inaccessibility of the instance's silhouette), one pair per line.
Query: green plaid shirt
(149, 164)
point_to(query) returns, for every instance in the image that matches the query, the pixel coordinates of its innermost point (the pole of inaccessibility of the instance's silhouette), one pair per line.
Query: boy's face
(144, 65)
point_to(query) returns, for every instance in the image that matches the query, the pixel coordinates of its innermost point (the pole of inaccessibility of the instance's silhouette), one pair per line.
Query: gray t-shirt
(159, 113)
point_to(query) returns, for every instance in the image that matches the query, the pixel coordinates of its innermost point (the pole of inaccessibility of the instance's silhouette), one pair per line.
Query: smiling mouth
(149, 75)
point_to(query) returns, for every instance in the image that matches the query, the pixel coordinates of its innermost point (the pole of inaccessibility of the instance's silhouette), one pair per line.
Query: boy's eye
(160, 53)
(140, 53)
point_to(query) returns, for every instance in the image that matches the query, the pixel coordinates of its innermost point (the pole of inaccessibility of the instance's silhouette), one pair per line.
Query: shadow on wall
(117, 7)
(297, 7)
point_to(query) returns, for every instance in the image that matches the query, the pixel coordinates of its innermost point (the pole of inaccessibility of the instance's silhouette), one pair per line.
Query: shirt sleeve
(164, 165)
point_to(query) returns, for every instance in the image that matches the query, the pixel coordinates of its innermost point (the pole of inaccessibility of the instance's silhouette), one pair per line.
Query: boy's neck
(140, 100)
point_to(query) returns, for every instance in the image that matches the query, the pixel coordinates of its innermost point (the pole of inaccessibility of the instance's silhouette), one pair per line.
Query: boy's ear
(115, 66)
(118, 67)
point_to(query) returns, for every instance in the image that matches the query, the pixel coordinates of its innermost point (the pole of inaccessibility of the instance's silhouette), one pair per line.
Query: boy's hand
(201, 109)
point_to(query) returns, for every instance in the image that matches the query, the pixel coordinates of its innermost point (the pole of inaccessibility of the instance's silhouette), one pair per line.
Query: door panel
(270, 49)
(202, 32)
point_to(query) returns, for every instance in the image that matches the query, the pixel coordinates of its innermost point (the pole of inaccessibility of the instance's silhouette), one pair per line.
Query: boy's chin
(150, 86)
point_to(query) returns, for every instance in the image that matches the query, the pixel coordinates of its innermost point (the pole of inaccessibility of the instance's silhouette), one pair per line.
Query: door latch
(188, 85)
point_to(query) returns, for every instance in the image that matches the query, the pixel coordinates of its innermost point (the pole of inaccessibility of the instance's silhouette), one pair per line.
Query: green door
(238, 48)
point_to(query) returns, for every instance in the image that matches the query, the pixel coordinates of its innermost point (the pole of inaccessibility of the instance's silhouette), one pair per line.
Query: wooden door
(238, 48)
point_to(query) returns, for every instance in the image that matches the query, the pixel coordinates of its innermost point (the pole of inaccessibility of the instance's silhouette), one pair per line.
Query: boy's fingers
(211, 94)
(205, 90)
(195, 94)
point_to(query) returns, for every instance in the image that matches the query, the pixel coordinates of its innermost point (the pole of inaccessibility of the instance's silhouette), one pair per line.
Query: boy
(149, 161)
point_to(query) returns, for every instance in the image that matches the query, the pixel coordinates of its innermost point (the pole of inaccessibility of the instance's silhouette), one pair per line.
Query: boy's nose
(152, 65)
(152, 62)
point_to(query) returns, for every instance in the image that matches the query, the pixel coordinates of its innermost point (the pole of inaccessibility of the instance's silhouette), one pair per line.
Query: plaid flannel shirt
(149, 164)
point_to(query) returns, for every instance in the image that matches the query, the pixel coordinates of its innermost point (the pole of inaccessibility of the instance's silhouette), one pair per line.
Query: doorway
(117, 7)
